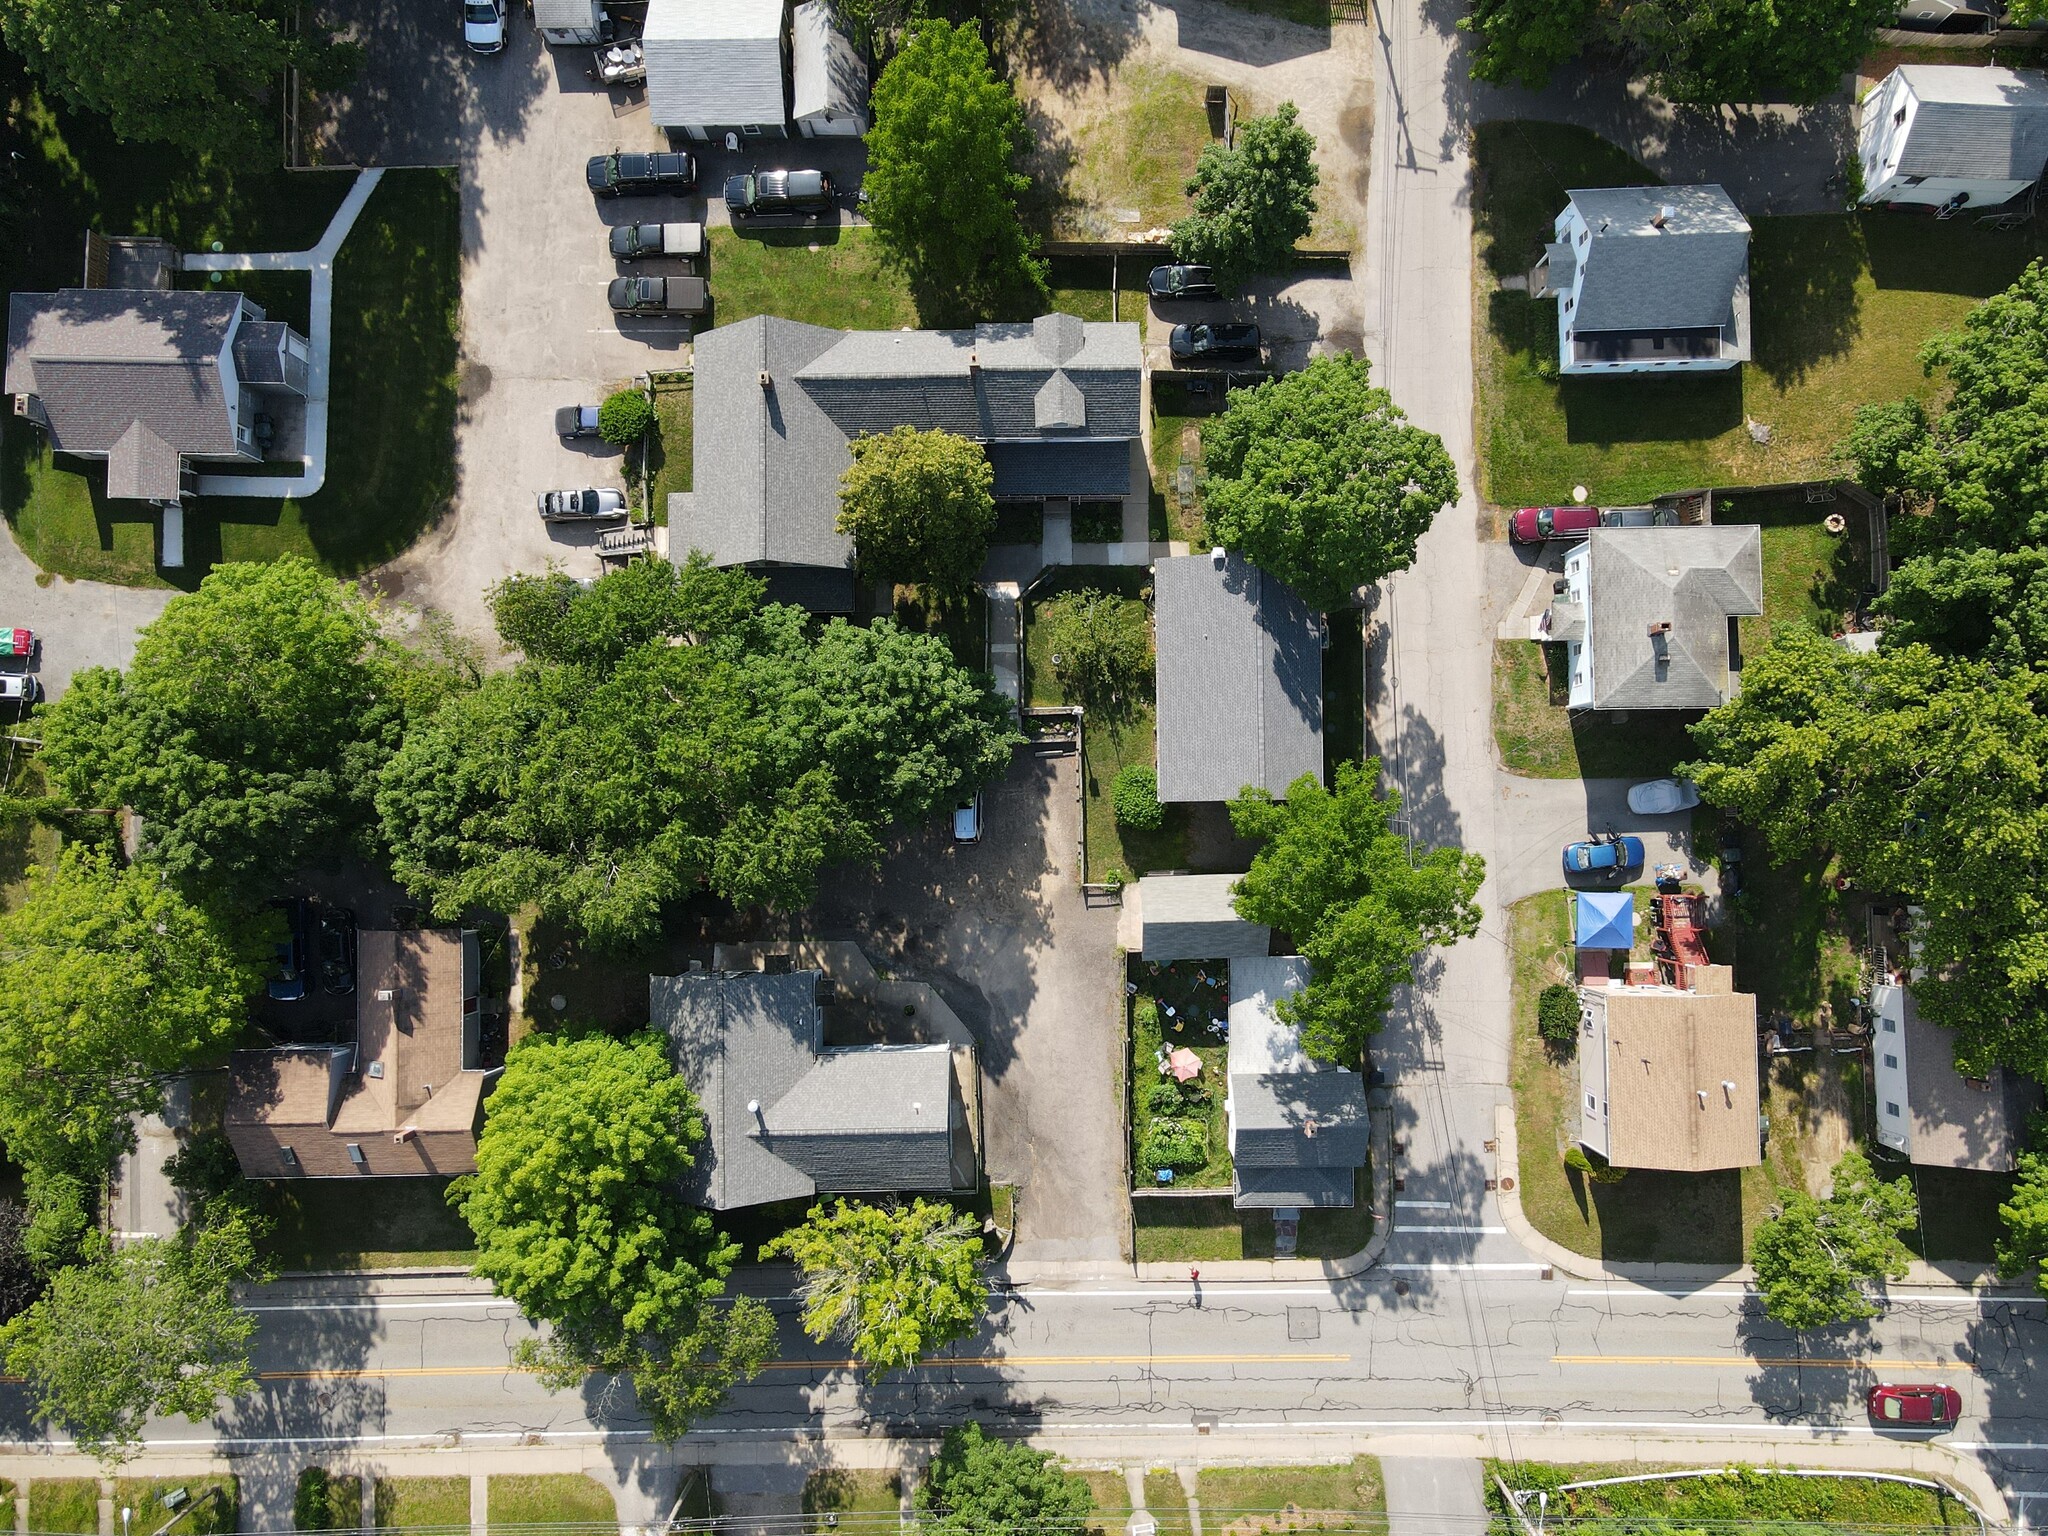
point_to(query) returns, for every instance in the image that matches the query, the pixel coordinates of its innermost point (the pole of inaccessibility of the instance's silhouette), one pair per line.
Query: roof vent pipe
(753, 1106)
(1216, 557)
(1703, 1097)
(767, 380)
(1665, 214)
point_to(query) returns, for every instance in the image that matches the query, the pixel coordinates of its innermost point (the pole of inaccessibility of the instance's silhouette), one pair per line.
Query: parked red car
(1937, 1406)
(1532, 525)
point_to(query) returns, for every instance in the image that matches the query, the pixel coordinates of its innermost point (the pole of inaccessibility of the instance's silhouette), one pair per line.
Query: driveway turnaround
(537, 332)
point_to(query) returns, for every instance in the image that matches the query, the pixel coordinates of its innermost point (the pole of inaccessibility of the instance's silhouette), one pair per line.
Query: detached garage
(717, 66)
(569, 21)
(831, 83)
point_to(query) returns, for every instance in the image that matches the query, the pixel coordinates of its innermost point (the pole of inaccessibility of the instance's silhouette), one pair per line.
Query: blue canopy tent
(1606, 920)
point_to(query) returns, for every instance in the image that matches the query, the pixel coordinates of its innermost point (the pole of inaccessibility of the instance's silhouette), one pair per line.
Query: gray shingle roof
(1190, 917)
(1975, 123)
(102, 360)
(853, 1121)
(1299, 1128)
(259, 356)
(1642, 278)
(827, 77)
(142, 467)
(1240, 680)
(1957, 1124)
(1696, 579)
(565, 15)
(714, 63)
(769, 460)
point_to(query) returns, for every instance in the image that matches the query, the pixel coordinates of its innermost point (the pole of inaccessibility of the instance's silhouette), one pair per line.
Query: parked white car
(1663, 797)
(483, 25)
(967, 821)
(577, 506)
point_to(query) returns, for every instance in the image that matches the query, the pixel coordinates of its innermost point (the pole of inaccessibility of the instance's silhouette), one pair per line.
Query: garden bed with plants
(1178, 1128)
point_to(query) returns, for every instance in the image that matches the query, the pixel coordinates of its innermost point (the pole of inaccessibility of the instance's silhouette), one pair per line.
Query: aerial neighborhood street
(1024, 766)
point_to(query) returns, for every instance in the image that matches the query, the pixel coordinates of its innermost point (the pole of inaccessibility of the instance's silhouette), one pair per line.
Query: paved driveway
(1001, 929)
(80, 623)
(536, 331)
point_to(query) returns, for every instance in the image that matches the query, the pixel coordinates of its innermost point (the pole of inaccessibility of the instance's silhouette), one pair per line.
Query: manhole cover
(1508, 1182)
(1304, 1323)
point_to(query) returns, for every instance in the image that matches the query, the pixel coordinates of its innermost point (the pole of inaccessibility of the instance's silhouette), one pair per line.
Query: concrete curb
(1957, 1276)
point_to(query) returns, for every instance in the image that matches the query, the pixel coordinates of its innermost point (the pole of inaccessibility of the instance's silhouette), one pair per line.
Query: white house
(1930, 1111)
(1668, 1078)
(829, 84)
(1647, 615)
(564, 22)
(1648, 280)
(1953, 136)
(717, 66)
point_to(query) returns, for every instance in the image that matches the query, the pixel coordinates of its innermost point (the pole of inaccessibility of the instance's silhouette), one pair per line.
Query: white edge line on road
(1422, 1205)
(1623, 1289)
(436, 1439)
(1459, 1269)
(1426, 1226)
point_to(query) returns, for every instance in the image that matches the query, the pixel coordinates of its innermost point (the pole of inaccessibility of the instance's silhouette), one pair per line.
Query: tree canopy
(1701, 52)
(147, 1329)
(942, 181)
(196, 74)
(1100, 649)
(577, 1210)
(1255, 199)
(977, 1485)
(1318, 478)
(919, 507)
(1927, 776)
(249, 729)
(613, 772)
(894, 1282)
(1814, 1257)
(1361, 905)
(2024, 1217)
(113, 983)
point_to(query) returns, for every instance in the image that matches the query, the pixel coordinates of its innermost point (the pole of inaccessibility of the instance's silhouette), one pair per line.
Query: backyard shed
(714, 65)
(569, 21)
(830, 84)
(1190, 917)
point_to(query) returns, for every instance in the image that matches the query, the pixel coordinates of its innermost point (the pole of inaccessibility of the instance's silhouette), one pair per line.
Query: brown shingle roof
(1664, 1051)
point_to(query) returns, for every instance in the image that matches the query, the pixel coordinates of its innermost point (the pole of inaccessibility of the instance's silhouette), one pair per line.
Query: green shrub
(1146, 1012)
(625, 417)
(1593, 1166)
(1557, 1014)
(1162, 1097)
(1176, 1144)
(1134, 795)
(325, 1502)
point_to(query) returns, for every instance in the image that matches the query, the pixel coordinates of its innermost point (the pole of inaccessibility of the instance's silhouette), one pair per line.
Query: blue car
(1609, 857)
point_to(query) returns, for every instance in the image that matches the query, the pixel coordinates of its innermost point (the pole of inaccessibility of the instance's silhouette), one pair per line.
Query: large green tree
(919, 507)
(1099, 647)
(577, 1209)
(2024, 1217)
(248, 730)
(894, 1282)
(942, 182)
(1254, 199)
(1926, 775)
(614, 772)
(199, 75)
(1318, 478)
(112, 982)
(1702, 52)
(1990, 604)
(978, 1485)
(149, 1328)
(1361, 904)
(1814, 1258)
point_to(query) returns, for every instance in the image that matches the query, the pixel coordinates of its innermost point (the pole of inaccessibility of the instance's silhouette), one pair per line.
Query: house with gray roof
(1191, 917)
(1648, 280)
(149, 382)
(1299, 1129)
(1927, 1109)
(1648, 615)
(717, 66)
(787, 1116)
(1953, 136)
(1056, 403)
(828, 81)
(567, 22)
(1239, 683)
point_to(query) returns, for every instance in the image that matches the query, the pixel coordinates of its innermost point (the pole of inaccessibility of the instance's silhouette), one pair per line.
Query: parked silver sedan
(582, 506)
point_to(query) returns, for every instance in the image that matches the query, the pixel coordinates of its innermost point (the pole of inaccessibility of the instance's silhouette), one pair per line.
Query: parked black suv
(1213, 343)
(1182, 283)
(760, 194)
(638, 175)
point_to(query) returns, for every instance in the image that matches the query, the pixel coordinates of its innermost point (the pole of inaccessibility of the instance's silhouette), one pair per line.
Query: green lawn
(1136, 157)
(1112, 1498)
(1207, 1230)
(1728, 1500)
(1250, 1501)
(1096, 288)
(328, 1501)
(843, 283)
(1176, 439)
(390, 466)
(286, 296)
(847, 1491)
(562, 1498)
(1841, 305)
(214, 1507)
(1167, 1501)
(963, 620)
(64, 1506)
(1314, 14)
(363, 1224)
(671, 456)
(422, 1503)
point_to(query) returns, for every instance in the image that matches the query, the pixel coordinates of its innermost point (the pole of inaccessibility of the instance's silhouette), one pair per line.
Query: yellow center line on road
(937, 1363)
(1726, 1361)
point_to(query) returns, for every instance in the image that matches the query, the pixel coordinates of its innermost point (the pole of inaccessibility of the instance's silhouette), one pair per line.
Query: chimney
(406, 1134)
(385, 994)
(1665, 214)
(1660, 628)
(767, 381)
(973, 361)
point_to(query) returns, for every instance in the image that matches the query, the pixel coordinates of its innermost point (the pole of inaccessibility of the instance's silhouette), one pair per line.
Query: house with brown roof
(404, 1099)
(1668, 1077)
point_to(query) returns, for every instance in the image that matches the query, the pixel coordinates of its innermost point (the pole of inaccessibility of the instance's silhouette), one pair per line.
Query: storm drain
(1304, 1323)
